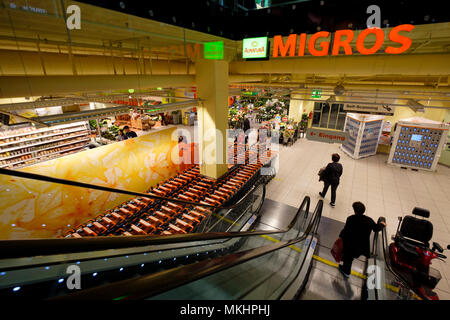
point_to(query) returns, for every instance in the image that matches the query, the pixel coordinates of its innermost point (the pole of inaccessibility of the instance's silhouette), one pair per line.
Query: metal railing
(153, 284)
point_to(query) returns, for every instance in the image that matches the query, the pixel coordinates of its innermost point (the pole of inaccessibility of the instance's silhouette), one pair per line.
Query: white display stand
(364, 133)
(418, 143)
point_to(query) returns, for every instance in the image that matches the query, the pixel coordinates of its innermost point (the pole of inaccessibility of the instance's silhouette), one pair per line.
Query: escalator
(229, 261)
(262, 269)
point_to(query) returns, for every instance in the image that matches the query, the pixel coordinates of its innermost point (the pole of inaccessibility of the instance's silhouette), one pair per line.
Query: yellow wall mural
(35, 209)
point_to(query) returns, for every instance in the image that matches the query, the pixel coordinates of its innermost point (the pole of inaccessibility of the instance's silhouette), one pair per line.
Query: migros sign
(342, 39)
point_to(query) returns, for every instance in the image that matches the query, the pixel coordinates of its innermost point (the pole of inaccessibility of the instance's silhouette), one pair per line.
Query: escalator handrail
(34, 247)
(150, 285)
(317, 216)
(374, 256)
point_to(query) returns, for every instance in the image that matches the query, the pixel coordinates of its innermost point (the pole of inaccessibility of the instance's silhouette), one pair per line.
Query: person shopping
(129, 133)
(331, 177)
(246, 127)
(356, 237)
(121, 135)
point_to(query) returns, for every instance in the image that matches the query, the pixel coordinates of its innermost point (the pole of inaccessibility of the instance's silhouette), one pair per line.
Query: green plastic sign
(254, 48)
(213, 50)
(316, 93)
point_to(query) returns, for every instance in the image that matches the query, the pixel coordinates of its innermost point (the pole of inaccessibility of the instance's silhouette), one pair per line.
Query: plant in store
(93, 125)
(304, 121)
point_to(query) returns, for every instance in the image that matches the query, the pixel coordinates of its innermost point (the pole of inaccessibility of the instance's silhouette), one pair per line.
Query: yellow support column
(212, 88)
(296, 107)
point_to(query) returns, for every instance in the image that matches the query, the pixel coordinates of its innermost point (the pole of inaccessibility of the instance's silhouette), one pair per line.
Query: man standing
(356, 237)
(129, 133)
(246, 126)
(246, 123)
(330, 177)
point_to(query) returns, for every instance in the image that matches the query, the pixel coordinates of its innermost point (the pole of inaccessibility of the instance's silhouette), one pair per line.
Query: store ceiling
(238, 19)
(115, 51)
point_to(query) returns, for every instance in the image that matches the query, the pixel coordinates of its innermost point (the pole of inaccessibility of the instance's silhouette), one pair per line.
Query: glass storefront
(329, 116)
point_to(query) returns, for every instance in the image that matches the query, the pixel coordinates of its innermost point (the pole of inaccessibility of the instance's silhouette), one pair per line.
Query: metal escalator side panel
(299, 281)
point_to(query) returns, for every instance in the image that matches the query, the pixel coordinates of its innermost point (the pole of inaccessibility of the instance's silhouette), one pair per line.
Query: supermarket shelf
(25, 153)
(64, 144)
(61, 151)
(29, 164)
(58, 146)
(17, 155)
(45, 130)
(44, 142)
(41, 137)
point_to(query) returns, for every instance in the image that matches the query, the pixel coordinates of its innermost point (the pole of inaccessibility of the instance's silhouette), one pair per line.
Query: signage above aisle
(298, 46)
(316, 93)
(382, 109)
(254, 48)
(328, 136)
(213, 50)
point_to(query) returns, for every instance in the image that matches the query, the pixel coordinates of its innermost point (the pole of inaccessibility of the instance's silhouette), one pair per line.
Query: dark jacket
(356, 235)
(246, 125)
(332, 173)
(131, 135)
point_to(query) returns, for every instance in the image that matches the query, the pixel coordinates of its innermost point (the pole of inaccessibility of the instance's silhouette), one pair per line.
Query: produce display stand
(142, 124)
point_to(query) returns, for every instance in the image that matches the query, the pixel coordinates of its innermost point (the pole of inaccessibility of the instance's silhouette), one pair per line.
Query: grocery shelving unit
(23, 147)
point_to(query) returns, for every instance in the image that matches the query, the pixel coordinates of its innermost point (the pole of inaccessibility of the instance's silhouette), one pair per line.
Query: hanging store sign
(328, 136)
(249, 93)
(316, 93)
(213, 50)
(383, 109)
(341, 40)
(254, 48)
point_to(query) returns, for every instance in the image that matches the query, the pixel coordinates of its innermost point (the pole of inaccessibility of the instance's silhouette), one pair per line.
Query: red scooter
(410, 254)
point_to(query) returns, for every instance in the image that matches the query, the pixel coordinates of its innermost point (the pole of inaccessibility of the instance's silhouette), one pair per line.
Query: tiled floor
(386, 191)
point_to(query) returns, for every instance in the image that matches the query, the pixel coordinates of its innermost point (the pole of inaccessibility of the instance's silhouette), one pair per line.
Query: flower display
(264, 107)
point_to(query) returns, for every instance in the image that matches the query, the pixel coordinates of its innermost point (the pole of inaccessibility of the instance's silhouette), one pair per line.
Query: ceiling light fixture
(339, 90)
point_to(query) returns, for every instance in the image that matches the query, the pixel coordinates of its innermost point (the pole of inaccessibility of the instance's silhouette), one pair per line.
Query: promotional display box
(418, 143)
(364, 133)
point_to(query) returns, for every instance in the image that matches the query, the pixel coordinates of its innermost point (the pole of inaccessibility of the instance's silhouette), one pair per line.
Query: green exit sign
(316, 93)
(213, 50)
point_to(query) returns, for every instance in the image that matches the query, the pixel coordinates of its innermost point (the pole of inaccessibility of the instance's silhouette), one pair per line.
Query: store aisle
(385, 190)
